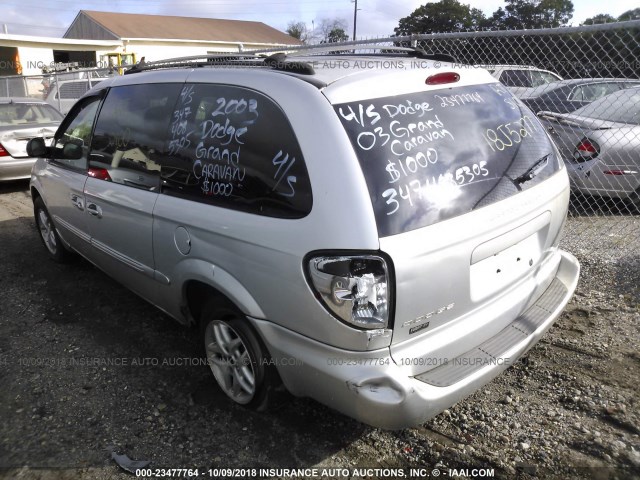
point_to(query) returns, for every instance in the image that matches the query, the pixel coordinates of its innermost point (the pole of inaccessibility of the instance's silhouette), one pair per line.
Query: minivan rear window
(430, 156)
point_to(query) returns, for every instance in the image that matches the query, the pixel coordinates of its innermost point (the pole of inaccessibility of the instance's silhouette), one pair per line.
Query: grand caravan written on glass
(234, 147)
(217, 144)
(430, 156)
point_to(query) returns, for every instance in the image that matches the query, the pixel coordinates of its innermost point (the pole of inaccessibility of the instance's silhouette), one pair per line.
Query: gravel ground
(569, 409)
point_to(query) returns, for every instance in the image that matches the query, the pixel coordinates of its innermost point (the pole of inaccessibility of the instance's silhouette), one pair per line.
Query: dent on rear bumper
(371, 388)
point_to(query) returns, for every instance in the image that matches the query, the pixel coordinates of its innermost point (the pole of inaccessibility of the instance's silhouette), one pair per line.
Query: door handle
(77, 201)
(94, 210)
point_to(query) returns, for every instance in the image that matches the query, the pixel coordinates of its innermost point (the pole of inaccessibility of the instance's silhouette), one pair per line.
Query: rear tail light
(442, 78)
(100, 174)
(3, 152)
(586, 150)
(354, 288)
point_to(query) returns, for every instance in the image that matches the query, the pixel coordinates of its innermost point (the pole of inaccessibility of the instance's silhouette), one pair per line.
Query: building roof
(56, 43)
(140, 26)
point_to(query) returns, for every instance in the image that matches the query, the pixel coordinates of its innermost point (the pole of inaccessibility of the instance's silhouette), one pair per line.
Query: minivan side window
(72, 141)
(234, 147)
(130, 134)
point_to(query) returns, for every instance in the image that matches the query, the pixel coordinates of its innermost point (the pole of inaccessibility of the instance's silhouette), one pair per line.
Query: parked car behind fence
(522, 75)
(600, 143)
(63, 94)
(20, 120)
(569, 95)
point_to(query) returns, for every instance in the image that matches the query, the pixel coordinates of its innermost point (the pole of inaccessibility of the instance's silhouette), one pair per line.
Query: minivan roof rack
(277, 61)
(283, 61)
(384, 50)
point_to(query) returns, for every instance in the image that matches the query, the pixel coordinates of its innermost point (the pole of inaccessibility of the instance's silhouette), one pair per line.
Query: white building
(157, 36)
(28, 55)
(99, 38)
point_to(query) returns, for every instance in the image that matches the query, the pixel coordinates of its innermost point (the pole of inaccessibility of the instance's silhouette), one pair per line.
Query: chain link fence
(60, 89)
(593, 115)
(594, 118)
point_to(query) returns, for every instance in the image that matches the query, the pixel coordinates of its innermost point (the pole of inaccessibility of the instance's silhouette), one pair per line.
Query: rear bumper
(15, 168)
(371, 388)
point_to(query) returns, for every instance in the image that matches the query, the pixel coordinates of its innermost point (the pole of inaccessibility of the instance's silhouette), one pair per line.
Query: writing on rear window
(511, 133)
(429, 156)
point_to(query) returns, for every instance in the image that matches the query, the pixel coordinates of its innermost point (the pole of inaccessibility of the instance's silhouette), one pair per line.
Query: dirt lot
(570, 409)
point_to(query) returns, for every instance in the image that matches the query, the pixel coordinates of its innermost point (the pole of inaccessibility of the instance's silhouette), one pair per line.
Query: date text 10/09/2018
(309, 472)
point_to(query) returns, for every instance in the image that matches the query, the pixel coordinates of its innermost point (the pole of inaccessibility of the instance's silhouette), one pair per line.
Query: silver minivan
(378, 232)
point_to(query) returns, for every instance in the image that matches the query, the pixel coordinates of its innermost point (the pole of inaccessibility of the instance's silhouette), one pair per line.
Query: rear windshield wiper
(532, 172)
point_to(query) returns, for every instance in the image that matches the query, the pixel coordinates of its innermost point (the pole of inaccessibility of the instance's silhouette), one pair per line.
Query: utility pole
(355, 19)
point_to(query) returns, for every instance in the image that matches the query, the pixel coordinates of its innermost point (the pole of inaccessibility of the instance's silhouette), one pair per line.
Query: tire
(238, 359)
(48, 233)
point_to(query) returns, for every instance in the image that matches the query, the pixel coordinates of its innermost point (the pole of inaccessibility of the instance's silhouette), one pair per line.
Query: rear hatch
(468, 202)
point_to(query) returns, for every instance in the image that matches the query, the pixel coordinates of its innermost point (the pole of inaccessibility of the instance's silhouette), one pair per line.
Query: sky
(376, 18)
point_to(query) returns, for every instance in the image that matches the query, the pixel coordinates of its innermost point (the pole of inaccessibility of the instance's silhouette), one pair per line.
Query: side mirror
(71, 151)
(36, 147)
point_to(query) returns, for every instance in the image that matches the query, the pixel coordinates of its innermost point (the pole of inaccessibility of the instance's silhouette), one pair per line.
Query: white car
(521, 78)
(64, 94)
(22, 119)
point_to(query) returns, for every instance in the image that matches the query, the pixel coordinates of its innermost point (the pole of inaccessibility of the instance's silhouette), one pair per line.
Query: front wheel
(48, 233)
(238, 359)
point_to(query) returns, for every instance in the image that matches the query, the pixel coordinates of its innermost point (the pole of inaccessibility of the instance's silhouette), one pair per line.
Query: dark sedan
(569, 95)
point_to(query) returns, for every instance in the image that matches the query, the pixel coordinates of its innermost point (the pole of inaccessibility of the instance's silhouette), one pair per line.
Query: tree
(537, 13)
(299, 30)
(600, 18)
(630, 15)
(497, 20)
(555, 13)
(333, 30)
(520, 14)
(606, 18)
(444, 16)
(337, 35)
